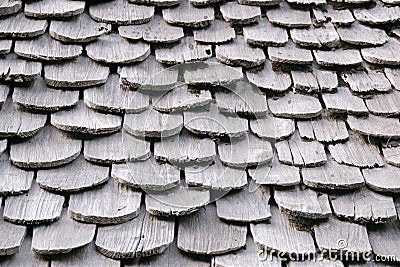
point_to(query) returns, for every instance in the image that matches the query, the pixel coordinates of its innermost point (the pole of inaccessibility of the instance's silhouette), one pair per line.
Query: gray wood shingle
(54, 8)
(188, 15)
(294, 105)
(236, 13)
(264, 33)
(21, 26)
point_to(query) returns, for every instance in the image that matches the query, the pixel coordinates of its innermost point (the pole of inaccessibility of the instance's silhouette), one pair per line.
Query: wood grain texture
(158, 3)
(358, 34)
(269, 79)
(24, 257)
(177, 201)
(121, 12)
(251, 205)
(110, 97)
(303, 202)
(385, 54)
(155, 31)
(15, 69)
(393, 76)
(344, 236)
(298, 152)
(78, 29)
(236, 13)
(248, 256)
(377, 15)
(277, 174)
(375, 126)
(364, 206)
(333, 176)
(338, 58)
(62, 236)
(21, 26)
(11, 237)
(81, 72)
(324, 36)
(85, 256)
(114, 49)
(215, 176)
(5, 46)
(4, 91)
(211, 122)
(265, 34)
(281, 236)
(384, 104)
(285, 16)
(94, 206)
(367, 81)
(186, 51)
(46, 48)
(385, 179)
(273, 127)
(213, 236)
(242, 98)
(212, 73)
(343, 101)
(181, 98)
(336, 16)
(15, 122)
(152, 123)
(48, 148)
(13, 181)
(239, 53)
(188, 15)
(82, 119)
(76, 176)
(356, 152)
(315, 80)
(116, 148)
(290, 54)
(39, 97)
(294, 105)
(148, 175)
(385, 239)
(218, 32)
(145, 235)
(247, 152)
(36, 207)
(9, 7)
(392, 155)
(324, 130)
(149, 75)
(54, 9)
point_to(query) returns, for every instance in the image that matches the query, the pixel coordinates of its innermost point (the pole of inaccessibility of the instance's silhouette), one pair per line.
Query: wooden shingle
(336, 16)
(385, 179)
(356, 152)
(4, 91)
(49, 148)
(188, 15)
(116, 148)
(384, 104)
(15, 69)
(294, 105)
(379, 14)
(367, 81)
(62, 236)
(218, 32)
(264, 33)
(80, 72)
(289, 17)
(25, 255)
(236, 13)
(392, 155)
(338, 57)
(385, 240)
(145, 235)
(301, 202)
(386, 54)
(11, 237)
(16, 122)
(269, 79)
(364, 206)
(325, 130)
(375, 126)
(54, 8)
(110, 97)
(13, 181)
(290, 54)
(343, 101)
(315, 80)
(324, 36)
(5, 46)
(161, 3)
(21, 26)
(358, 34)
(78, 29)
(36, 207)
(112, 48)
(82, 119)
(273, 127)
(121, 12)
(212, 235)
(76, 176)
(38, 96)
(112, 204)
(9, 7)
(393, 76)
(177, 201)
